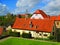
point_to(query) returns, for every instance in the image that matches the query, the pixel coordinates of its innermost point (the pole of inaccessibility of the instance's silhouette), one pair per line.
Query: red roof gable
(41, 12)
(42, 25)
(1, 30)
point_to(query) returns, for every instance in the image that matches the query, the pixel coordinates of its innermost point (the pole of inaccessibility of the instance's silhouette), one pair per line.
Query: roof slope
(44, 25)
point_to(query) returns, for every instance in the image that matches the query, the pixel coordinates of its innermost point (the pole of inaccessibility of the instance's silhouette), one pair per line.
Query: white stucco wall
(33, 33)
(37, 16)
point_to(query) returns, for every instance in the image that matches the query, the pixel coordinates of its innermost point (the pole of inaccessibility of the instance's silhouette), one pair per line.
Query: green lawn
(20, 41)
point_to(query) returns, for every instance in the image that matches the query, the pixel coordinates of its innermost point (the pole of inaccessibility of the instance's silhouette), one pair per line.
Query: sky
(50, 7)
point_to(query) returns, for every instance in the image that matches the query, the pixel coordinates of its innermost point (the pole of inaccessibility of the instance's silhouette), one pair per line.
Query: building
(40, 25)
(37, 27)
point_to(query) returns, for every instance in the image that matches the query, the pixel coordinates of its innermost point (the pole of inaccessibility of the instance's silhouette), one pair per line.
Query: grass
(21, 41)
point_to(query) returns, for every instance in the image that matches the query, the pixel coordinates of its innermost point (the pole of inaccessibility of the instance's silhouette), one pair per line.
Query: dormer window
(30, 22)
(31, 25)
(36, 27)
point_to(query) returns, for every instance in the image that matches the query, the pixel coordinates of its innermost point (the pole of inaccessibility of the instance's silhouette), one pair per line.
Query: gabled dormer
(39, 14)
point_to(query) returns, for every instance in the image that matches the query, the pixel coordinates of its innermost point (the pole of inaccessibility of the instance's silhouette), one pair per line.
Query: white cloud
(22, 5)
(3, 9)
(53, 7)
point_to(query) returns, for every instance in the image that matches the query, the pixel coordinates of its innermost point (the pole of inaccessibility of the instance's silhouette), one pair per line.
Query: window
(57, 23)
(36, 27)
(31, 25)
(30, 22)
(37, 31)
(53, 33)
(40, 34)
(45, 34)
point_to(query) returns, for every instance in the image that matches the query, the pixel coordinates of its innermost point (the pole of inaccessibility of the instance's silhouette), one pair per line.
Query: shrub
(26, 35)
(15, 34)
(51, 37)
(4, 36)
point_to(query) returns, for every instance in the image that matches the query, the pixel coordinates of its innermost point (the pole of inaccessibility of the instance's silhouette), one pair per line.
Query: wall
(57, 23)
(37, 16)
(33, 33)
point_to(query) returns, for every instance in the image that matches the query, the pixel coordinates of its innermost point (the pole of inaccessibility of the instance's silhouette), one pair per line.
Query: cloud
(22, 5)
(52, 8)
(3, 9)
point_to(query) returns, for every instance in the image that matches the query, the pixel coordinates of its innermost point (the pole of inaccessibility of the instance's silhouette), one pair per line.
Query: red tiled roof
(41, 12)
(53, 17)
(58, 17)
(44, 25)
(1, 30)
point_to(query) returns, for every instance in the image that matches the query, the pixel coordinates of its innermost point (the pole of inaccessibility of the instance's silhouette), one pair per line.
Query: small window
(40, 34)
(30, 22)
(45, 34)
(53, 33)
(36, 27)
(31, 25)
(37, 31)
(57, 23)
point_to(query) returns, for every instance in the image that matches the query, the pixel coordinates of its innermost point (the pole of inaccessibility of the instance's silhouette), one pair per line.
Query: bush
(51, 37)
(58, 38)
(4, 36)
(26, 35)
(15, 34)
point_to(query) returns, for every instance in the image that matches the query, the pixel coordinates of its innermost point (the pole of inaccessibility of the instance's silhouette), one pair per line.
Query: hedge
(15, 34)
(26, 35)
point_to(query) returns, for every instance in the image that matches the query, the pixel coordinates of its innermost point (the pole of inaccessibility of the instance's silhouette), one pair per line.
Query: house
(1, 30)
(39, 14)
(39, 25)
(39, 28)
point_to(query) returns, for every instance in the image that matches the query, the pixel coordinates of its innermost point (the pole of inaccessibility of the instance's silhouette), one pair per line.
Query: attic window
(57, 23)
(36, 27)
(30, 22)
(31, 25)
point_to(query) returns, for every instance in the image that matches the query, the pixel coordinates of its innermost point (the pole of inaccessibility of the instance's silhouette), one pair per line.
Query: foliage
(7, 20)
(51, 37)
(26, 35)
(57, 35)
(29, 15)
(15, 34)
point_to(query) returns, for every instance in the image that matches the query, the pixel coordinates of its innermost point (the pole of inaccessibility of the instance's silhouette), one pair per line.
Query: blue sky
(11, 4)
(51, 7)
